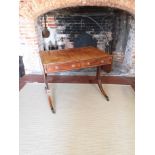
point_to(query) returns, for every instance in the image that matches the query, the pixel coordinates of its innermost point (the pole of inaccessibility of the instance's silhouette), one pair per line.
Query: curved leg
(50, 100)
(100, 83)
(48, 91)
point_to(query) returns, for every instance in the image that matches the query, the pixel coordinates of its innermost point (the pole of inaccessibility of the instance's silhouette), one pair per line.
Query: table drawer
(62, 67)
(49, 68)
(96, 62)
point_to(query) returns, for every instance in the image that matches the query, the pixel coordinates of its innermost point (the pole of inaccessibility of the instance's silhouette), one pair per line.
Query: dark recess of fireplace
(84, 40)
(94, 21)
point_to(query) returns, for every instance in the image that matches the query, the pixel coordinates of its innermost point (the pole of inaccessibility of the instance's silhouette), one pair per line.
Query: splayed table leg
(100, 83)
(48, 92)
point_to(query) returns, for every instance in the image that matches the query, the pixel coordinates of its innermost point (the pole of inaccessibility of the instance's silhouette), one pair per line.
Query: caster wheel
(53, 110)
(107, 98)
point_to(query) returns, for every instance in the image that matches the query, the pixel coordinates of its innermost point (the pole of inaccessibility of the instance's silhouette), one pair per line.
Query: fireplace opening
(109, 29)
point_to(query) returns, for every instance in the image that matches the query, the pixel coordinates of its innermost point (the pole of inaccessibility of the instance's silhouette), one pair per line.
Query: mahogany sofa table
(71, 59)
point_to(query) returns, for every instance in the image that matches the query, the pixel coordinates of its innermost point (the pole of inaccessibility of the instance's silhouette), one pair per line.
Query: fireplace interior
(109, 29)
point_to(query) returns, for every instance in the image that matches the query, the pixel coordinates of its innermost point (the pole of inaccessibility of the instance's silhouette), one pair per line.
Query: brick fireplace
(109, 22)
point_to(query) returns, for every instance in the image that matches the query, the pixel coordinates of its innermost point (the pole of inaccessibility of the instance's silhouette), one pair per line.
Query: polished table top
(74, 58)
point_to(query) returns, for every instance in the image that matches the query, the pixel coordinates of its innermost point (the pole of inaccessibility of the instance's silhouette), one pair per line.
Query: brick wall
(29, 44)
(34, 8)
(30, 30)
(129, 60)
(103, 24)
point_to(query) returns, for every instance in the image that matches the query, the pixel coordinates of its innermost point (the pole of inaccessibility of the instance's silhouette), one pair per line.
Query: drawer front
(96, 62)
(49, 68)
(62, 67)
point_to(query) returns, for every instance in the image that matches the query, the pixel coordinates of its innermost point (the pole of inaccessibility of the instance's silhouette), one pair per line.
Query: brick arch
(30, 10)
(34, 8)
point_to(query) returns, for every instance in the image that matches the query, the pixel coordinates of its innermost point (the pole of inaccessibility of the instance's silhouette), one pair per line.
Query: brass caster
(107, 98)
(53, 110)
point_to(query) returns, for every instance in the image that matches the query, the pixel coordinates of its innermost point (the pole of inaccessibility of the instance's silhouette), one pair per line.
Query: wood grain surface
(75, 58)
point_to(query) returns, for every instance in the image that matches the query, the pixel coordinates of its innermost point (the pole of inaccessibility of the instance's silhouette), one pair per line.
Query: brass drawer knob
(73, 65)
(102, 61)
(88, 63)
(56, 67)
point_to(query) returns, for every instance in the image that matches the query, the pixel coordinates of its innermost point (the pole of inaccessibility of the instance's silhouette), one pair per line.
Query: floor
(84, 122)
(77, 79)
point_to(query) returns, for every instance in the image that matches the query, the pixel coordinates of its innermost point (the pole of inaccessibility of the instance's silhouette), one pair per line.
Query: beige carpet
(84, 123)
